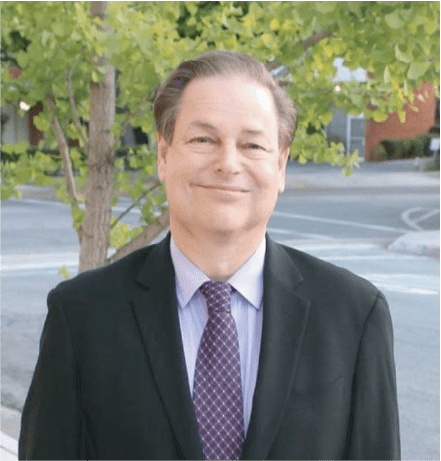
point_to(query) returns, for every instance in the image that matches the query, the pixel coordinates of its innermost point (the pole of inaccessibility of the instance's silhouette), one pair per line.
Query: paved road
(350, 228)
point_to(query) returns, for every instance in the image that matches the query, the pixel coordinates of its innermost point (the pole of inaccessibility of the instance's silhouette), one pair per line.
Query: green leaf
(77, 215)
(274, 24)
(58, 29)
(403, 56)
(21, 147)
(379, 116)
(347, 171)
(417, 69)
(266, 38)
(95, 76)
(387, 76)
(45, 37)
(292, 53)
(64, 272)
(393, 20)
(325, 7)
(431, 26)
(41, 122)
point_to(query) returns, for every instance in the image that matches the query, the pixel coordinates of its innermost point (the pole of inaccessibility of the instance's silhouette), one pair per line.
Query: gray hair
(220, 63)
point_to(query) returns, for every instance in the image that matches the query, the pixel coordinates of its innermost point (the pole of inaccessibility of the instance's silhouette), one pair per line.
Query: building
(366, 135)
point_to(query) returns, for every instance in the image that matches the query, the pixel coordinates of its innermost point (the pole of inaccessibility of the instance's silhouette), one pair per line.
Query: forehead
(232, 97)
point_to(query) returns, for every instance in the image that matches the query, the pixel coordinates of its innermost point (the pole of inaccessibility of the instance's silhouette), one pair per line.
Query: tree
(71, 49)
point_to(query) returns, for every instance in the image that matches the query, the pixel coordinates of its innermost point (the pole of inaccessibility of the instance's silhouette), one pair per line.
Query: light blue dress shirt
(246, 308)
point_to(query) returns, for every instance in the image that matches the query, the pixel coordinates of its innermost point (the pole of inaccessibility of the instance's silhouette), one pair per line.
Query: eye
(201, 140)
(254, 146)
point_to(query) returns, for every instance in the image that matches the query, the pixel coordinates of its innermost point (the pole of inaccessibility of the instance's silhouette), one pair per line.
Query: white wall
(16, 129)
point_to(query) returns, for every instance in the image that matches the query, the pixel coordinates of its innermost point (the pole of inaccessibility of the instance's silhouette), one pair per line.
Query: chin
(223, 229)
(230, 227)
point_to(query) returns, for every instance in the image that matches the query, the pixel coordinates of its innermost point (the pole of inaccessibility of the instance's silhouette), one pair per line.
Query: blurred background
(79, 186)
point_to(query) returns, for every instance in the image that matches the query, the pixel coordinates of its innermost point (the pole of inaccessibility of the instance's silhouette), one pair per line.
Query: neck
(218, 256)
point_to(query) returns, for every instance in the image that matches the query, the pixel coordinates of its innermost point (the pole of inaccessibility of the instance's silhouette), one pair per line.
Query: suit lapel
(284, 320)
(156, 311)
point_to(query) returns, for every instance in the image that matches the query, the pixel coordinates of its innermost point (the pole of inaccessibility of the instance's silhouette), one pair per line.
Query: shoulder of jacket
(108, 277)
(314, 269)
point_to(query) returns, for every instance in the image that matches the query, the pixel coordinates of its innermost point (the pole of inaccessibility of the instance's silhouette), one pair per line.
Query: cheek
(267, 177)
(266, 183)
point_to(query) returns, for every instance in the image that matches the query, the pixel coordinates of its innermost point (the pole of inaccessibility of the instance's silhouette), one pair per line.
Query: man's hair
(221, 64)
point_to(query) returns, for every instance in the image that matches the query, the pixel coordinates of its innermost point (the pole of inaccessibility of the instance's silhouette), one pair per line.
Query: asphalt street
(350, 227)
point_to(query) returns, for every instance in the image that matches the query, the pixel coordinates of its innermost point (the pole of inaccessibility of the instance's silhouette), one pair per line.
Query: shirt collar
(247, 280)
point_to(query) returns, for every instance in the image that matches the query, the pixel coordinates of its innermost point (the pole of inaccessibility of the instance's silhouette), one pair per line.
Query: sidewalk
(10, 429)
(399, 173)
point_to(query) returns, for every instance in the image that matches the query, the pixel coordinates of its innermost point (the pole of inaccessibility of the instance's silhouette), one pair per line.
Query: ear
(283, 159)
(162, 156)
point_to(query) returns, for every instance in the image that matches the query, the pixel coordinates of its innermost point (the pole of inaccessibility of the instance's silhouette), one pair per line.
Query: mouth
(222, 188)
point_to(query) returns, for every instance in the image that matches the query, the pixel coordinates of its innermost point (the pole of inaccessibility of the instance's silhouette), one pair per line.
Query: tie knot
(217, 295)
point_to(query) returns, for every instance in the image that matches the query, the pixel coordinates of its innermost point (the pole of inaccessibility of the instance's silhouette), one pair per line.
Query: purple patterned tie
(217, 394)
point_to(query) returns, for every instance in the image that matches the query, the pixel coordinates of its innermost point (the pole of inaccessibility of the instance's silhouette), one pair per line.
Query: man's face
(223, 170)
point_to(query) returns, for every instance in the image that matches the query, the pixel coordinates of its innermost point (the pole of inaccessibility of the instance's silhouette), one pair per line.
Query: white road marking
(36, 262)
(8, 447)
(300, 234)
(41, 202)
(37, 267)
(427, 215)
(7, 455)
(328, 246)
(339, 222)
(405, 217)
(81, 205)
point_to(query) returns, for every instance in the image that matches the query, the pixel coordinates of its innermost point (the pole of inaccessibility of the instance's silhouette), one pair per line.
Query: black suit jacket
(111, 380)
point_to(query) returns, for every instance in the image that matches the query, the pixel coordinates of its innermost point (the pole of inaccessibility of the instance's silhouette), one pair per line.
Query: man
(216, 343)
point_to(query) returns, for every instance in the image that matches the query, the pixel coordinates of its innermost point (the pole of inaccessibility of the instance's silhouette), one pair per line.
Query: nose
(228, 159)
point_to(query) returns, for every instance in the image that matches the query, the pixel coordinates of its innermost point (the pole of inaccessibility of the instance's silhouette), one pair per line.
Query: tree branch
(64, 149)
(150, 189)
(150, 233)
(315, 38)
(73, 108)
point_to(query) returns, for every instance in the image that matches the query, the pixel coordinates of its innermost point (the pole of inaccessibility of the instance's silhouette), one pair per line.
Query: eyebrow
(208, 126)
(200, 124)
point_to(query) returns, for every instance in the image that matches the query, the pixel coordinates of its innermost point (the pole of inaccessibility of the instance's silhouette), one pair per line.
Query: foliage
(24, 167)
(57, 46)
(378, 154)
(407, 147)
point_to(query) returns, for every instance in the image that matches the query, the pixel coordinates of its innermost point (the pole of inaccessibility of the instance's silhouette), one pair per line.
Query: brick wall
(416, 122)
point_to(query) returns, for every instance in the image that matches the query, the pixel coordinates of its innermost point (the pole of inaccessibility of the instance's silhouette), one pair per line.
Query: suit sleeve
(374, 431)
(51, 427)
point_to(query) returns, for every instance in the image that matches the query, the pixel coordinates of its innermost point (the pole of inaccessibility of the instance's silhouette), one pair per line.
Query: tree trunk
(96, 226)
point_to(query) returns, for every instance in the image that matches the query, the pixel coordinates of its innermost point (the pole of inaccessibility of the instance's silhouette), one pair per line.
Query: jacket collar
(155, 307)
(285, 315)
(284, 320)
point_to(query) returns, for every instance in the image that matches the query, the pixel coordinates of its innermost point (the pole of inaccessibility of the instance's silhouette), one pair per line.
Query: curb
(419, 243)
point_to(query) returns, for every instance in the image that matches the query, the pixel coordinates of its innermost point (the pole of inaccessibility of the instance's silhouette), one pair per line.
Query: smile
(223, 188)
